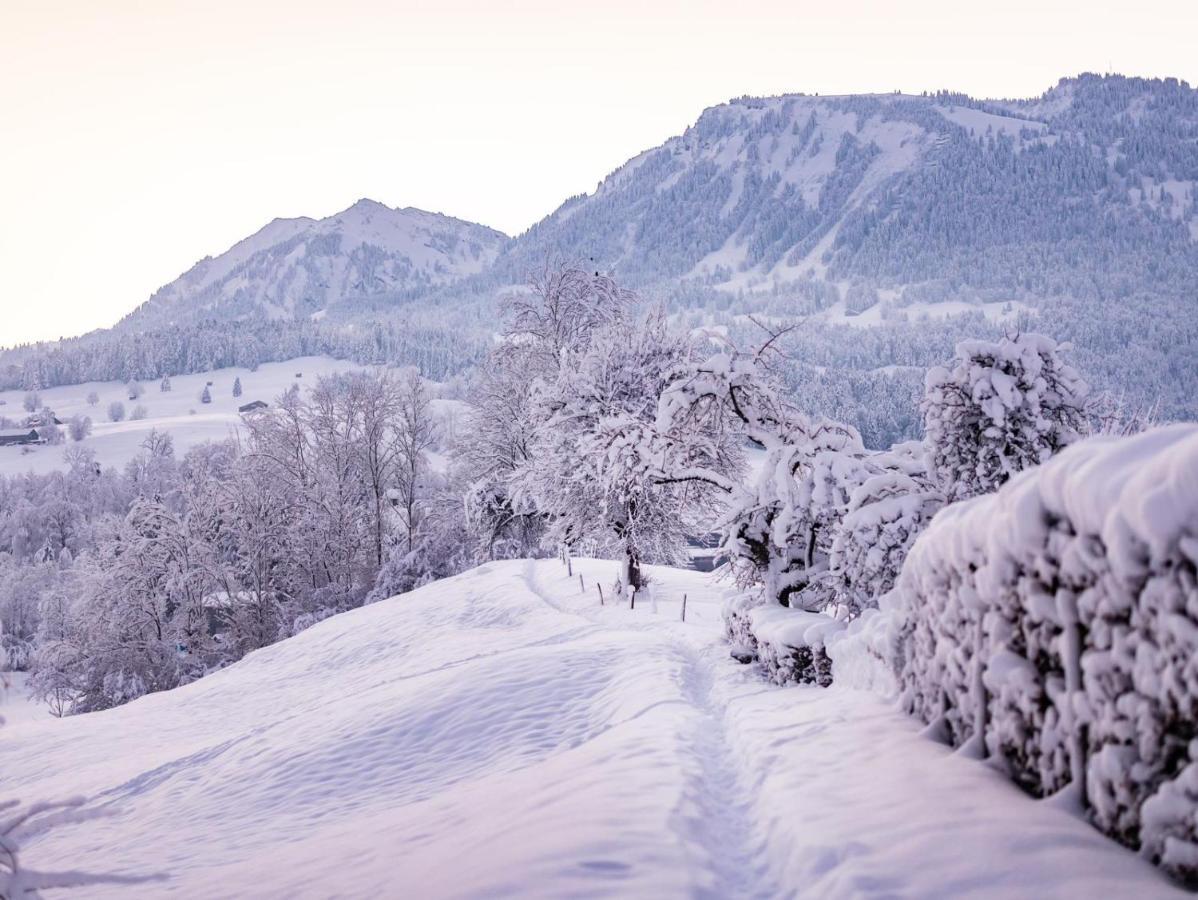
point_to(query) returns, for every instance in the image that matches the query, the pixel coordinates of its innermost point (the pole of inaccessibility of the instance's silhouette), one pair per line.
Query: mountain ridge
(292, 267)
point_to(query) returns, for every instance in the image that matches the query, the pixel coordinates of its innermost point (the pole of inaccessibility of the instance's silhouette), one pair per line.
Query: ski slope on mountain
(501, 734)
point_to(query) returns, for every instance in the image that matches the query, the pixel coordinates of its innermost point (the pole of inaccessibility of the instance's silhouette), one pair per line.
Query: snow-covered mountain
(1074, 213)
(301, 267)
(1092, 187)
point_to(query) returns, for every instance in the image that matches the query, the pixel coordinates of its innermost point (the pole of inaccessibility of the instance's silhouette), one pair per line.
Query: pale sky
(137, 137)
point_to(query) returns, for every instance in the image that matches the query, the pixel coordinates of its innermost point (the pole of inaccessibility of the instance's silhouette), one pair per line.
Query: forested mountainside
(1088, 189)
(1075, 213)
(299, 268)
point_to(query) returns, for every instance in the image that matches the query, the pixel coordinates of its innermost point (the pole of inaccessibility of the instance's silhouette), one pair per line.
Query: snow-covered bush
(998, 408)
(790, 644)
(116, 411)
(884, 516)
(1055, 625)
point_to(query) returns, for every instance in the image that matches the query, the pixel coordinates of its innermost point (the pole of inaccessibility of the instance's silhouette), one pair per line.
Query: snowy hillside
(898, 190)
(178, 412)
(501, 734)
(297, 268)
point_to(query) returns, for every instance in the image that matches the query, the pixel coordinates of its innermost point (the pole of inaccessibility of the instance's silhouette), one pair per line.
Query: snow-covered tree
(205, 395)
(237, 386)
(495, 446)
(116, 411)
(602, 472)
(998, 408)
(165, 385)
(80, 427)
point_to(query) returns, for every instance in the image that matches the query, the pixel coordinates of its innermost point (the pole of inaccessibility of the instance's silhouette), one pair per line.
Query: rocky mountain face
(297, 268)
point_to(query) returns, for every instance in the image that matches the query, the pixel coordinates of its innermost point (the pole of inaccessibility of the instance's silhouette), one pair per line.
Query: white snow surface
(178, 412)
(499, 734)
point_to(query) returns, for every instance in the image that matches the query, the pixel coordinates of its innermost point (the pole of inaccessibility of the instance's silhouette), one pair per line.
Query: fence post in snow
(598, 585)
(569, 565)
(684, 607)
(581, 586)
(632, 602)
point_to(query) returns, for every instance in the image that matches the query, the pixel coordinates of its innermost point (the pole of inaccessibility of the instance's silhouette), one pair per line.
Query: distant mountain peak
(294, 268)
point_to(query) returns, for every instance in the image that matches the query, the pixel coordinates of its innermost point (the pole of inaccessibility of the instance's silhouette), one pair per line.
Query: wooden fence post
(569, 565)
(684, 607)
(598, 585)
(581, 586)
(632, 602)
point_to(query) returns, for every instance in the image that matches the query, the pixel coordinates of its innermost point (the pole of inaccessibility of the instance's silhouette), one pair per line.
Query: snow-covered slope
(300, 267)
(499, 734)
(178, 412)
(895, 190)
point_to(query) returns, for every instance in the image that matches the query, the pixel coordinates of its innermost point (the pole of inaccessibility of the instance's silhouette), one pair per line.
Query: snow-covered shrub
(999, 407)
(790, 644)
(779, 533)
(116, 411)
(884, 516)
(1055, 625)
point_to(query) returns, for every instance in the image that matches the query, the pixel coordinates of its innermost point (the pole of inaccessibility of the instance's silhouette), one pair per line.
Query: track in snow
(501, 734)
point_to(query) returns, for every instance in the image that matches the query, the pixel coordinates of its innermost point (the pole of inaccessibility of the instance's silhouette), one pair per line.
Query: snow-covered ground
(178, 411)
(501, 734)
(997, 311)
(15, 703)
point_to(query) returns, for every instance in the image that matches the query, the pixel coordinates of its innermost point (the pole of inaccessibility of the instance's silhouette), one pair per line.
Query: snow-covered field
(499, 734)
(178, 411)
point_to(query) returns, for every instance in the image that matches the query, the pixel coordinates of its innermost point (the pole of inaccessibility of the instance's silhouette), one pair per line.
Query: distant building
(251, 407)
(20, 436)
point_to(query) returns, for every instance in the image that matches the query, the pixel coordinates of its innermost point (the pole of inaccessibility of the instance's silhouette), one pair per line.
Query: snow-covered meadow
(500, 734)
(178, 412)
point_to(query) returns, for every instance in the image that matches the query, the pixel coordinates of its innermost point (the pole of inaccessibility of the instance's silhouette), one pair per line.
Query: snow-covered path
(500, 734)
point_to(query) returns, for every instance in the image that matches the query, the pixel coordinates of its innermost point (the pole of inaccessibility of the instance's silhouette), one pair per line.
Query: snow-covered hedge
(789, 643)
(1054, 625)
